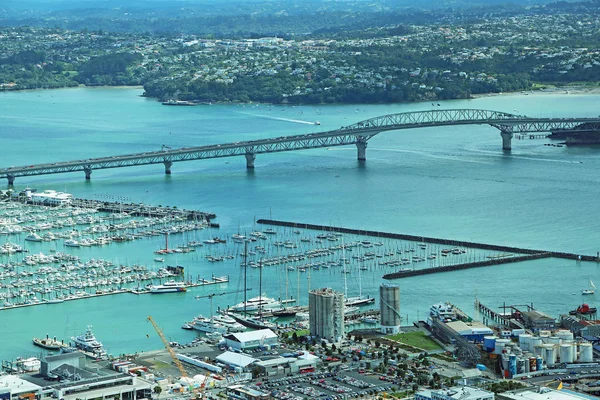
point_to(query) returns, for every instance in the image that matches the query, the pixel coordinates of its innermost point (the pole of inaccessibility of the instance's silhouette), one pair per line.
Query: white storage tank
(538, 351)
(564, 334)
(536, 341)
(554, 340)
(586, 352)
(566, 353)
(500, 343)
(525, 341)
(549, 355)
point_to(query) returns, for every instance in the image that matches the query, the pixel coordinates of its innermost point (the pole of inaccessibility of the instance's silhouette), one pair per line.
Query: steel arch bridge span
(356, 134)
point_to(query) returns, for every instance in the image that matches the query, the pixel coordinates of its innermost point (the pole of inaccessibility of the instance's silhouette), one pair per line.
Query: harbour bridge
(357, 134)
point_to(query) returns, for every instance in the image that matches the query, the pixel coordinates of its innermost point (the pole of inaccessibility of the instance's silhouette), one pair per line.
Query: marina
(454, 183)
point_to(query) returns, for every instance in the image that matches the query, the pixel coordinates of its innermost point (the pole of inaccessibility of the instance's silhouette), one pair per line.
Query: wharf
(143, 210)
(526, 254)
(456, 267)
(214, 280)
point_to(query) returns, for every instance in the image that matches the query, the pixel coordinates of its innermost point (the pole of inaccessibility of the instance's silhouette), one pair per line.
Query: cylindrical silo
(512, 365)
(566, 353)
(536, 341)
(525, 341)
(489, 343)
(586, 352)
(564, 334)
(538, 351)
(549, 355)
(532, 364)
(539, 363)
(545, 333)
(389, 305)
(500, 344)
(554, 340)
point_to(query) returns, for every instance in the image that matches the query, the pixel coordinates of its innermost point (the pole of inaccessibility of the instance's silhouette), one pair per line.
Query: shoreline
(566, 90)
(558, 90)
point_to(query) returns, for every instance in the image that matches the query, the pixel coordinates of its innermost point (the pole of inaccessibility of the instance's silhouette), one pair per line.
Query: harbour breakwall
(524, 253)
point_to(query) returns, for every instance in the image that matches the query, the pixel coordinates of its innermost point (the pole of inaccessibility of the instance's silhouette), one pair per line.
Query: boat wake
(296, 121)
(432, 155)
(495, 154)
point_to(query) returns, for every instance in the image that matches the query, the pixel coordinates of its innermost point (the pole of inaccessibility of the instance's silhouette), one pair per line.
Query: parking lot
(329, 385)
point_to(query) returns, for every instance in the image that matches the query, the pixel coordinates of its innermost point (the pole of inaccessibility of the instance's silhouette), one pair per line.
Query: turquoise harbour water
(452, 182)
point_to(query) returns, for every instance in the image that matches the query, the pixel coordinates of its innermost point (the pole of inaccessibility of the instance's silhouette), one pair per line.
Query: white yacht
(207, 325)
(71, 243)
(443, 311)
(33, 237)
(262, 302)
(229, 323)
(88, 343)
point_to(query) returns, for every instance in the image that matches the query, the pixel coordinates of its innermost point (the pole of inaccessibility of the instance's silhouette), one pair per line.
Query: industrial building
(542, 393)
(236, 361)
(77, 381)
(251, 340)
(389, 305)
(455, 393)
(472, 331)
(537, 320)
(288, 365)
(326, 314)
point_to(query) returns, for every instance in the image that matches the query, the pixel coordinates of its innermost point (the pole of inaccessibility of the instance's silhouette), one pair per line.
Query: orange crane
(170, 350)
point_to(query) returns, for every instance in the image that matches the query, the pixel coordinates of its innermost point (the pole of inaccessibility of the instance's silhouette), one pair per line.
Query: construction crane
(170, 350)
(211, 295)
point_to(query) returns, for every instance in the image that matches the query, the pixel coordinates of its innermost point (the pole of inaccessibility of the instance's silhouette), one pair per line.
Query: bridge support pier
(11, 179)
(88, 172)
(250, 157)
(168, 165)
(361, 146)
(506, 139)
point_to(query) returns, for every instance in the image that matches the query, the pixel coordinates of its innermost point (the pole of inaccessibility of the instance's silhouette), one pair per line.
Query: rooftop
(260, 334)
(235, 359)
(543, 394)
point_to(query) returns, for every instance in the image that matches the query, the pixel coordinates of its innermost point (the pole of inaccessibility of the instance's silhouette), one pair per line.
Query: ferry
(168, 287)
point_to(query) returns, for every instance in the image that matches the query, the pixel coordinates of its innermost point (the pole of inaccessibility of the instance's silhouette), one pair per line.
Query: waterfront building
(251, 340)
(389, 305)
(455, 393)
(542, 393)
(537, 320)
(49, 197)
(326, 314)
(243, 392)
(238, 361)
(77, 381)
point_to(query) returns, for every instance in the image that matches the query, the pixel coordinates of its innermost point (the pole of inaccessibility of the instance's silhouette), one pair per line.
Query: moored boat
(168, 287)
(48, 343)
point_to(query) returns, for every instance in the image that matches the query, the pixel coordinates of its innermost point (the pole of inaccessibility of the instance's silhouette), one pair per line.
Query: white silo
(586, 352)
(389, 305)
(566, 353)
(550, 355)
(564, 334)
(536, 341)
(554, 340)
(500, 344)
(525, 341)
(538, 351)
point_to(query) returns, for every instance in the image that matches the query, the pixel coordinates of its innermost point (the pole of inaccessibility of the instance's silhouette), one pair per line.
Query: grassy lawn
(160, 365)
(416, 339)
(302, 332)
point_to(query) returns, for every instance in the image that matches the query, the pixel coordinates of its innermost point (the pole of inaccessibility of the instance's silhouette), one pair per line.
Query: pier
(524, 254)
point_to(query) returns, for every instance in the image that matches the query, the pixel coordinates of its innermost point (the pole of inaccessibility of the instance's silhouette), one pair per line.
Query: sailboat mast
(260, 288)
(245, 275)
(344, 262)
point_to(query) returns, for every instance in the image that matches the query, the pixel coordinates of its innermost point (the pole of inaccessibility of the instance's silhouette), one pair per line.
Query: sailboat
(359, 300)
(246, 321)
(590, 290)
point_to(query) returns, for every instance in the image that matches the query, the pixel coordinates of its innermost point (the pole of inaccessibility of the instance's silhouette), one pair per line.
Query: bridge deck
(357, 134)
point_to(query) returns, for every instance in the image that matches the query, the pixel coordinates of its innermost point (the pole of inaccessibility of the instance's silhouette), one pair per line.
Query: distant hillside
(246, 17)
